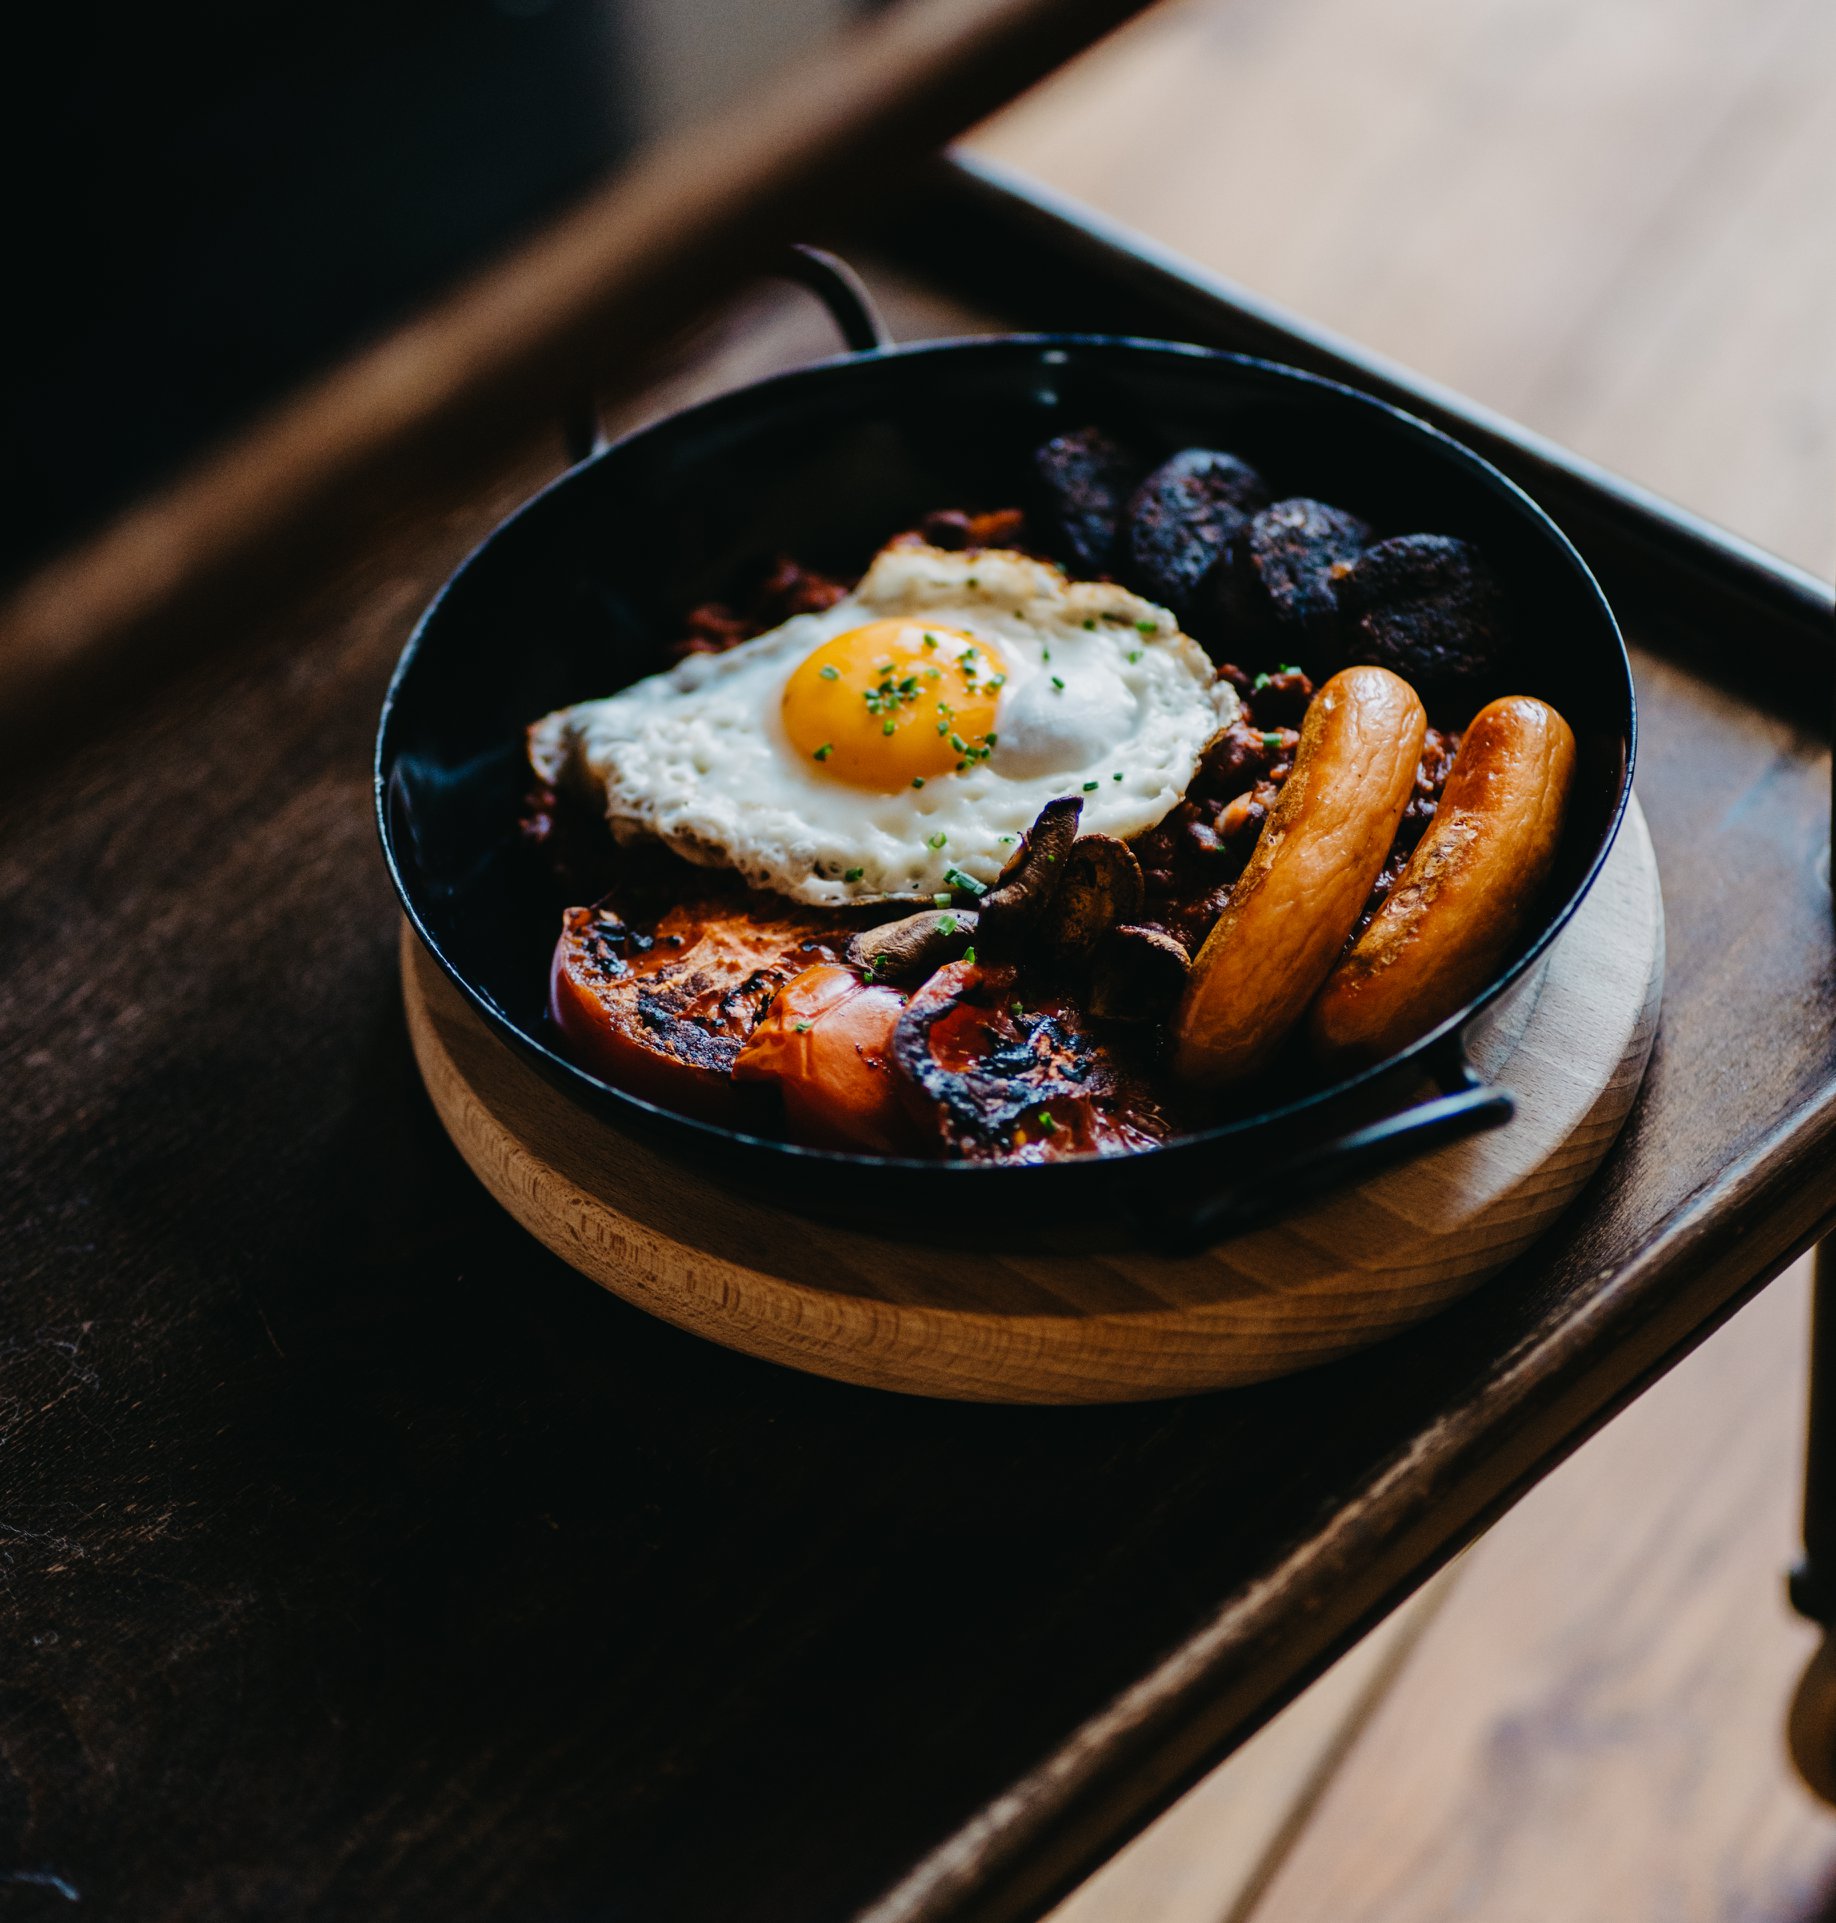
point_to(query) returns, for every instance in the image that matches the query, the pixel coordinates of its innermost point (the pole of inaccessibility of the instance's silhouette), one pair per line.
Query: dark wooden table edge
(1053, 1827)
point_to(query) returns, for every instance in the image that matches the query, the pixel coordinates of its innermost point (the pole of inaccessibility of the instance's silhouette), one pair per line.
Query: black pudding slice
(1427, 607)
(1280, 587)
(1087, 478)
(1183, 518)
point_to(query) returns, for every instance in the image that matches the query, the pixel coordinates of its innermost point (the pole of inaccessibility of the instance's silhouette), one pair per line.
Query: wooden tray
(472, 1593)
(984, 1327)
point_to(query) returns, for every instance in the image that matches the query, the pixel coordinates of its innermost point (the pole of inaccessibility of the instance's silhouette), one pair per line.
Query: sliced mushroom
(1031, 878)
(910, 949)
(1138, 975)
(1101, 887)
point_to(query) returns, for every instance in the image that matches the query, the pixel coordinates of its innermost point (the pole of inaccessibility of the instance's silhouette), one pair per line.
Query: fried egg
(907, 736)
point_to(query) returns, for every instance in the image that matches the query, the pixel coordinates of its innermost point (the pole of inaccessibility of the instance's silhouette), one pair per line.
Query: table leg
(1811, 1730)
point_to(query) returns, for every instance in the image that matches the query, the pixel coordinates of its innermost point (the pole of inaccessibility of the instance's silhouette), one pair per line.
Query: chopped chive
(854, 874)
(918, 780)
(1016, 1010)
(1010, 837)
(803, 1028)
(830, 673)
(1271, 741)
(959, 744)
(1058, 684)
(937, 840)
(969, 953)
(1091, 625)
(1260, 682)
(967, 883)
(1046, 1122)
(947, 926)
(886, 727)
(1117, 776)
(930, 640)
(1134, 655)
(824, 752)
(997, 681)
(1090, 787)
(970, 582)
(940, 901)
(1147, 627)
(1045, 654)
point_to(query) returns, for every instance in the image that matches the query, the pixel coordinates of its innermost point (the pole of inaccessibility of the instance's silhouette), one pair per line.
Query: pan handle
(842, 291)
(829, 278)
(1464, 1105)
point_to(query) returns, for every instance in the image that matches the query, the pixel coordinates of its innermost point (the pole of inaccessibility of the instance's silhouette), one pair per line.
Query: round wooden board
(1018, 1328)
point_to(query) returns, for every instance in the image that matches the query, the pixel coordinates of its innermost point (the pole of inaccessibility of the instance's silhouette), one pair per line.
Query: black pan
(580, 591)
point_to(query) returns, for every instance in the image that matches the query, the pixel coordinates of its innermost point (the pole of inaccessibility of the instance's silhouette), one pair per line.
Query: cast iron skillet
(580, 590)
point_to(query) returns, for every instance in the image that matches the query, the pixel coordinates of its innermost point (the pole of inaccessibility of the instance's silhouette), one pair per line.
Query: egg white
(1105, 698)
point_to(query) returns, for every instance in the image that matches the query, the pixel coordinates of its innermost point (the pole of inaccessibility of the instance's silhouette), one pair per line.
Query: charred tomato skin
(826, 1044)
(995, 1076)
(662, 1009)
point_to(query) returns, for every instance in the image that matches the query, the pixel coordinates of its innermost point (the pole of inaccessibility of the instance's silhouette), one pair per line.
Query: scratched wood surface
(364, 1562)
(468, 1590)
(1643, 190)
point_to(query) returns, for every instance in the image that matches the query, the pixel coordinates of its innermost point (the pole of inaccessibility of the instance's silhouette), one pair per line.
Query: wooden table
(365, 1561)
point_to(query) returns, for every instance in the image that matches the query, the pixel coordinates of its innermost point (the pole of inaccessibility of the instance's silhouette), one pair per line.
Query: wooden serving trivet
(1036, 1328)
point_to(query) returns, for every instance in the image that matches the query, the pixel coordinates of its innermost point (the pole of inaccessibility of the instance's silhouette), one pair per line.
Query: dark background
(210, 202)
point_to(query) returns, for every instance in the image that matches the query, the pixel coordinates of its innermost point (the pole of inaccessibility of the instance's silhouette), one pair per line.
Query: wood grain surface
(1064, 1328)
(1593, 1728)
(365, 1562)
(1579, 1719)
(1212, 1856)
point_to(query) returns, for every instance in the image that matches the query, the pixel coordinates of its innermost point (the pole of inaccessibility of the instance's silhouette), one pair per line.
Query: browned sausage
(1473, 878)
(1315, 861)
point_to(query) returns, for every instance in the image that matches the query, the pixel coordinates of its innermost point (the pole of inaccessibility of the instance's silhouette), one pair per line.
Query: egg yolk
(894, 704)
